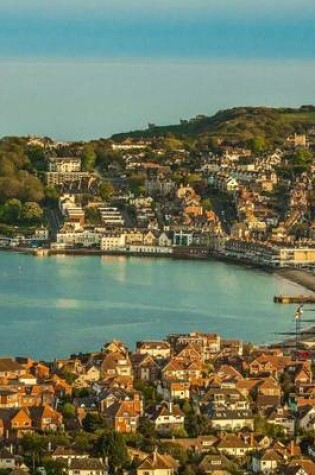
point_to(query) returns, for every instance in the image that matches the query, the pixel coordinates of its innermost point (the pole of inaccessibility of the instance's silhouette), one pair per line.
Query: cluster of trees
(13, 211)
(106, 444)
(17, 173)
(21, 191)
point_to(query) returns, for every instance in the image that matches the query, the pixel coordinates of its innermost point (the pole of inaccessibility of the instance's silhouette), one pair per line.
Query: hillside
(241, 123)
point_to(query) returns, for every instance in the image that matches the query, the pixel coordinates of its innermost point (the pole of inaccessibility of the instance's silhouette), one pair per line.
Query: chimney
(170, 407)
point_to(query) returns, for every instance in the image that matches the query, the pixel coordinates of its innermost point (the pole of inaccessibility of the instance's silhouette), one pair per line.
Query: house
(15, 422)
(266, 461)
(157, 464)
(145, 367)
(224, 398)
(166, 417)
(182, 238)
(10, 369)
(61, 386)
(9, 398)
(227, 371)
(123, 416)
(215, 465)
(45, 418)
(64, 164)
(149, 239)
(86, 466)
(116, 364)
(269, 387)
(91, 374)
(282, 417)
(271, 365)
(108, 395)
(227, 420)
(207, 344)
(248, 386)
(189, 352)
(157, 349)
(7, 460)
(306, 418)
(28, 379)
(302, 466)
(179, 390)
(234, 446)
(198, 445)
(164, 240)
(123, 412)
(67, 454)
(182, 370)
(113, 241)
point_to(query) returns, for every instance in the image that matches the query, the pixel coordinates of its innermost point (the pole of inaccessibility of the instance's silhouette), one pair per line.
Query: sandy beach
(302, 277)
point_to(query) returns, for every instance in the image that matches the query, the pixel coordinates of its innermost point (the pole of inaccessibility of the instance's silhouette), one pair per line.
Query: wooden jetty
(300, 299)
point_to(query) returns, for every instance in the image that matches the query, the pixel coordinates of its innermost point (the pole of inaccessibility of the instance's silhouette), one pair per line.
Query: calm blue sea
(58, 305)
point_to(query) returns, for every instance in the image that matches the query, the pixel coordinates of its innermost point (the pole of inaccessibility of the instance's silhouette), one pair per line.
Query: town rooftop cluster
(192, 403)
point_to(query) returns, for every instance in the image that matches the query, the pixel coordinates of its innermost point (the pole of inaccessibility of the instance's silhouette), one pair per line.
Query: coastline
(298, 276)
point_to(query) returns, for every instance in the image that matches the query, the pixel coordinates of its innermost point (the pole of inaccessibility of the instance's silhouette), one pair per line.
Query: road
(54, 222)
(223, 212)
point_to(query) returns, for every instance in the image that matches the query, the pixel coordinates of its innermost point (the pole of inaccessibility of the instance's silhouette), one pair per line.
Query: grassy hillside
(241, 123)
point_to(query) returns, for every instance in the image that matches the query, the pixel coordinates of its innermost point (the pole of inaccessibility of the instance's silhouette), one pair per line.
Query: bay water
(54, 306)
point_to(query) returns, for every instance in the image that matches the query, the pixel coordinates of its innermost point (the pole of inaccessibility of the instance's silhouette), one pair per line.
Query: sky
(89, 68)
(186, 29)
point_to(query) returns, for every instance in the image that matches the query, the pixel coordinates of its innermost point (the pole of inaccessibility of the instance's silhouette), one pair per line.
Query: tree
(176, 451)
(187, 470)
(92, 422)
(32, 213)
(149, 392)
(51, 194)
(257, 144)
(33, 446)
(88, 158)
(11, 211)
(146, 427)
(10, 187)
(32, 189)
(302, 157)
(68, 411)
(193, 179)
(171, 143)
(106, 190)
(36, 154)
(93, 215)
(187, 407)
(6, 167)
(82, 441)
(207, 205)
(111, 444)
(136, 183)
(179, 432)
(55, 467)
